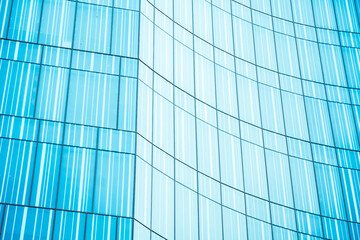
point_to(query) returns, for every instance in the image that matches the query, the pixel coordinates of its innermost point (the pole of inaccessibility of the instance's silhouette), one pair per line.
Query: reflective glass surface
(180, 119)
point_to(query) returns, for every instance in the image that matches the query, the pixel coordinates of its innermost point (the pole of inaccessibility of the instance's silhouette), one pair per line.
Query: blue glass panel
(69, 225)
(128, 4)
(125, 226)
(330, 191)
(27, 223)
(114, 184)
(354, 230)
(335, 229)
(351, 179)
(210, 225)
(281, 233)
(57, 23)
(309, 224)
(129, 67)
(186, 213)
(52, 93)
(125, 36)
(25, 20)
(4, 12)
(319, 121)
(343, 126)
(100, 227)
(92, 99)
(92, 30)
(16, 168)
(76, 179)
(18, 87)
(162, 205)
(283, 216)
(46, 175)
(304, 183)
(234, 224)
(258, 229)
(352, 66)
(127, 104)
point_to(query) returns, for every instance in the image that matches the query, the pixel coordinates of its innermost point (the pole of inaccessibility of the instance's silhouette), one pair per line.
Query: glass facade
(179, 119)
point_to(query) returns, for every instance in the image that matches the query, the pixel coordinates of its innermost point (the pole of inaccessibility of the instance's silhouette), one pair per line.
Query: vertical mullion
(116, 227)
(196, 141)
(152, 124)
(86, 217)
(10, 14)
(2, 218)
(174, 122)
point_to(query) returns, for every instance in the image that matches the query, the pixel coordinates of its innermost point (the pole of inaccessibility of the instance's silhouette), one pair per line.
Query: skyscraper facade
(179, 119)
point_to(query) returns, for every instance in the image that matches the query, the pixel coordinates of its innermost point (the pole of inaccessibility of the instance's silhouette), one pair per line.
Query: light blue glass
(57, 23)
(92, 28)
(76, 181)
(125, 37)
(92, 94)
(114, 184)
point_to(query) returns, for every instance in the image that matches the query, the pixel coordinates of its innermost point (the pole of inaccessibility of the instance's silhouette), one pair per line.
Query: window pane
(16, 167)
(46, 175)
(52, 93)
(25, 20)
(92, 99)
(92, 31)
(125, 33)
(76, 179)
(69, 225)
(114, 184)
(57, 23)
(27, 223)
(18, 87)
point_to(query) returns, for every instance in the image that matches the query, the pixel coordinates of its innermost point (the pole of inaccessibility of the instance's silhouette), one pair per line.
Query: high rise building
(179, 119)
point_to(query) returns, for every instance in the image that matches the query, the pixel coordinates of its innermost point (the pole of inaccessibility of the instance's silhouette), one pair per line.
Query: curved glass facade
(180, 119)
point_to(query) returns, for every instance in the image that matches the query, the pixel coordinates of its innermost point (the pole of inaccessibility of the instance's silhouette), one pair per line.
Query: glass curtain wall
(179, 119)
